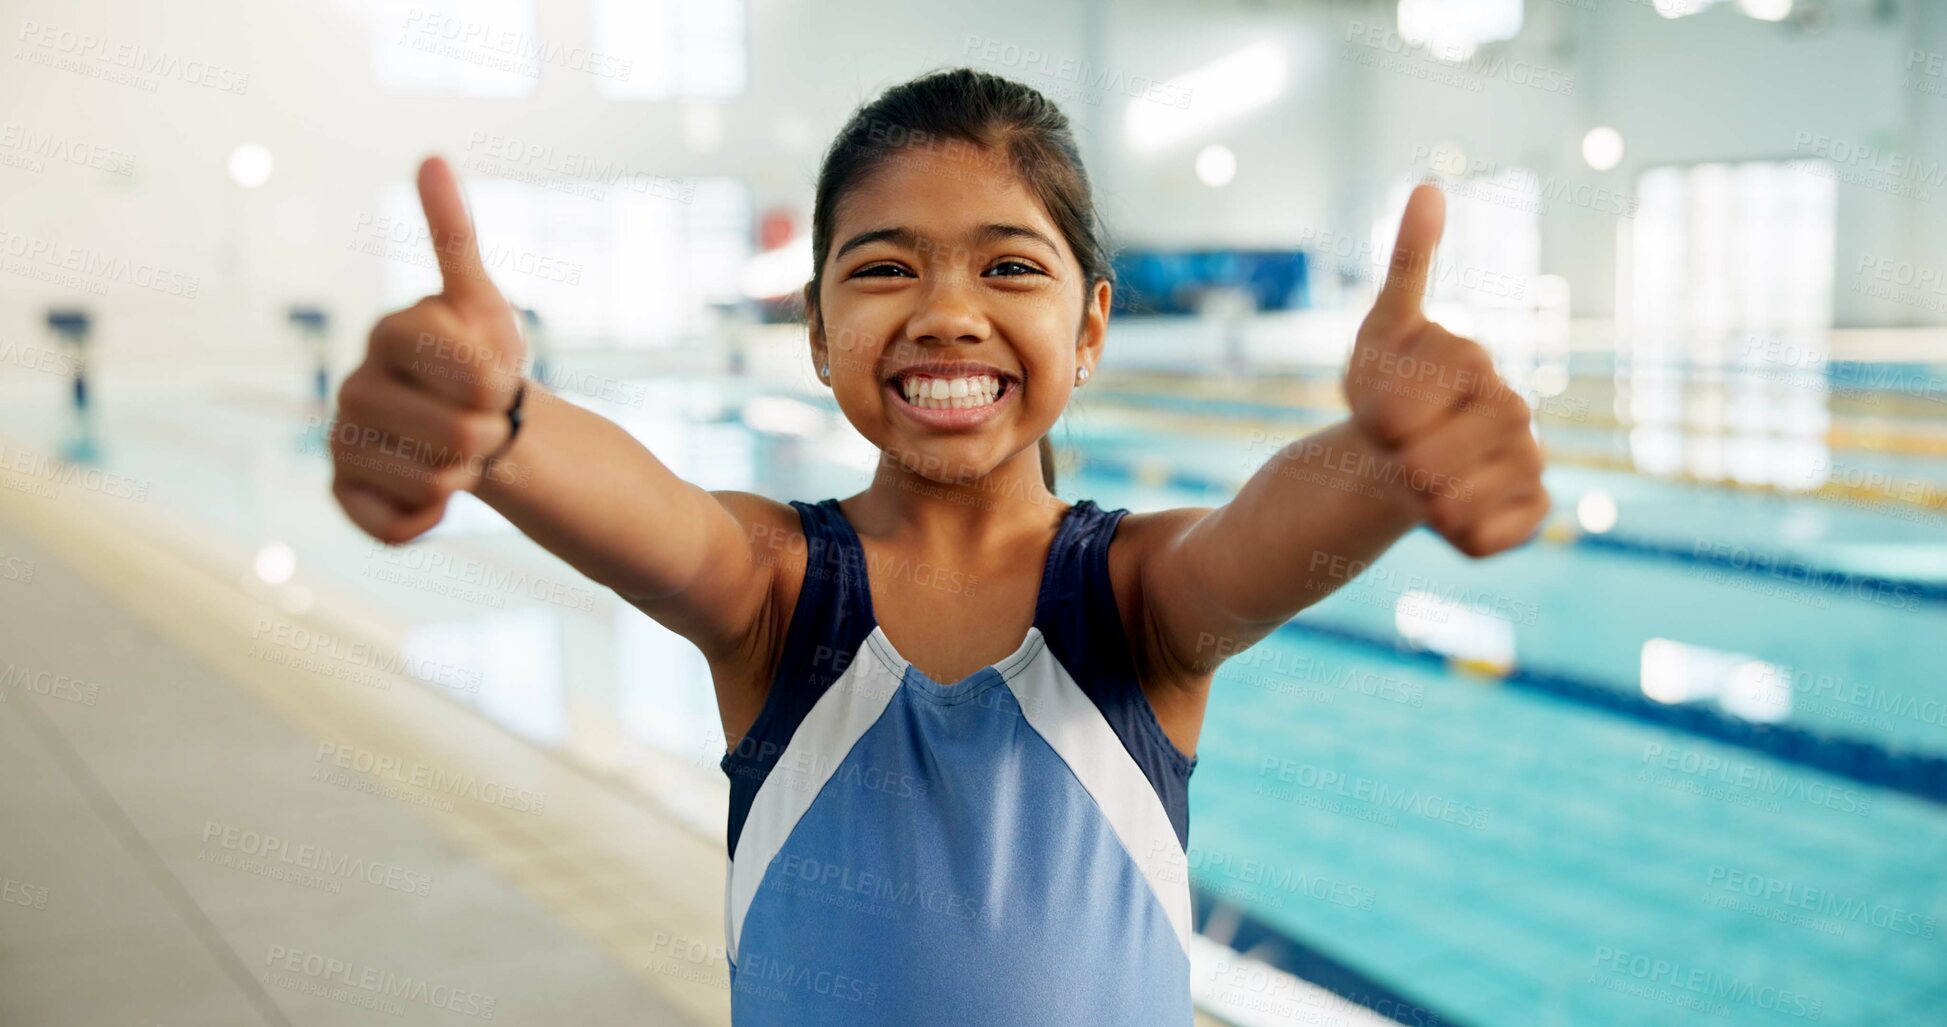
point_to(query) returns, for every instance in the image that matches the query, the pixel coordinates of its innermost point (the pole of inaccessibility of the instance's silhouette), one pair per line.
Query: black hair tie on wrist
(513, 429)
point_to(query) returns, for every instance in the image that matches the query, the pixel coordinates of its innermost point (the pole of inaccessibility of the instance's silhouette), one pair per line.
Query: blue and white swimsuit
(1006, 851)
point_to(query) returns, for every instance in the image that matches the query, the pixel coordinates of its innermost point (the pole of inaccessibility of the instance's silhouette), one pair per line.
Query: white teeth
(952, 393)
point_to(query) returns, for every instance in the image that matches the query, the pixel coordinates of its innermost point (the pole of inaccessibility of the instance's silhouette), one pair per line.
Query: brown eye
(881, 271)
(1014, 269)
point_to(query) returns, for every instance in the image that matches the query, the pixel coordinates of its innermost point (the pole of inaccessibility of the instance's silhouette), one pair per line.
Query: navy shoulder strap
(830, 621)
(1079, 618)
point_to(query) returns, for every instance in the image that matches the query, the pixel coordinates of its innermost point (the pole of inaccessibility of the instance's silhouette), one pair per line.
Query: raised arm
(1434, 436)
(426, 416)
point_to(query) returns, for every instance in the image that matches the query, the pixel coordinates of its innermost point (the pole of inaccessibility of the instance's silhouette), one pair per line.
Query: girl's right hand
(419, 418)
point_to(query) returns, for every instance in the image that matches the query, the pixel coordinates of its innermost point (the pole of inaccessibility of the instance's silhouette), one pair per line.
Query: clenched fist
(1432, 399)
(420, 418)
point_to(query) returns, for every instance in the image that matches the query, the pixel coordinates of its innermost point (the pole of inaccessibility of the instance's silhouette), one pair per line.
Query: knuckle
(451, 480)
(480, 389)
(355, 391)
(1475, 543)
(473, 435)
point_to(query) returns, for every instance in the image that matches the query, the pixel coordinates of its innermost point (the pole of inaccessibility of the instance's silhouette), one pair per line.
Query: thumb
(1412, 261)
(378, 517)
(463, 277)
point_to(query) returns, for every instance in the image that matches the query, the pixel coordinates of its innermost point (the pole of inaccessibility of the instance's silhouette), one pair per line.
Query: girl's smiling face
(952, 313)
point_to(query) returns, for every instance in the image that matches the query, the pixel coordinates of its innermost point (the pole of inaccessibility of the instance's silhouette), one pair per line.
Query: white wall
(1717, 86)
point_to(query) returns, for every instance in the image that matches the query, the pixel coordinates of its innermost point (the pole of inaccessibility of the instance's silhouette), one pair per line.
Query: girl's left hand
(1433, 400)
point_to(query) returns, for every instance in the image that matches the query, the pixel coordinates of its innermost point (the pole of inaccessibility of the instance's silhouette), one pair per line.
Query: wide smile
(952, 399)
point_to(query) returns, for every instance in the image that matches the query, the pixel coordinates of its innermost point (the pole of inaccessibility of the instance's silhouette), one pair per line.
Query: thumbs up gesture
(419, 419)
(1433, 401)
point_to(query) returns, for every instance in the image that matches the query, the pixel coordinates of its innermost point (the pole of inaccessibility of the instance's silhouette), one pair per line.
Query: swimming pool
(1445, 791)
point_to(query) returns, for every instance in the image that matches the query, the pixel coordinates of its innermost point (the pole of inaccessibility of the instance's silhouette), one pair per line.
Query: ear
(1095, 326)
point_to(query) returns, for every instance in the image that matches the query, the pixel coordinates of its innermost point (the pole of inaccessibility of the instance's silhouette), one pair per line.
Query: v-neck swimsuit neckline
(881, 644)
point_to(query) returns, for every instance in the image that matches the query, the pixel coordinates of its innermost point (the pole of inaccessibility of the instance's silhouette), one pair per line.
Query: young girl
(965, 712)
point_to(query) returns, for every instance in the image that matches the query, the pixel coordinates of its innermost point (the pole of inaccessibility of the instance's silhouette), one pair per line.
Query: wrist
(503, 467)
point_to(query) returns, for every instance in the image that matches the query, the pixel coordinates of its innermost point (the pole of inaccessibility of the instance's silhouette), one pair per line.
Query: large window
(1725, 299)
(485, 48)
(638, 49)
(1490, 252)
(673, 48)
(636, 267)
(1726, 248)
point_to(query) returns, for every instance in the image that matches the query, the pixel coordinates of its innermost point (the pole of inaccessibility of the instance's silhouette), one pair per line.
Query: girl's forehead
(942, 195)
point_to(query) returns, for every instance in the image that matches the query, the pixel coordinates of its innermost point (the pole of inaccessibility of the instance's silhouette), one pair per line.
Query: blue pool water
(1453, 844)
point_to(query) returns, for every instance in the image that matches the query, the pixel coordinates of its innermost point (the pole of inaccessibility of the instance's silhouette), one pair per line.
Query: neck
(1003, 502)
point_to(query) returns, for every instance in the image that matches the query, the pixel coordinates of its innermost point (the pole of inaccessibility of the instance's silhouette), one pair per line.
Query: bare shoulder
(1177, 693)
(1137, 541)
(1142, 533)
(776, 537)
(750, 508)
(742, 673)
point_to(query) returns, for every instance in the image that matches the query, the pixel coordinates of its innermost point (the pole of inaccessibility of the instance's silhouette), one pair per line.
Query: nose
(949, 312)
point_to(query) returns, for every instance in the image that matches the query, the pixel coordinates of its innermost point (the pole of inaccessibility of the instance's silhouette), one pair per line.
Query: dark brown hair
(1013, 130)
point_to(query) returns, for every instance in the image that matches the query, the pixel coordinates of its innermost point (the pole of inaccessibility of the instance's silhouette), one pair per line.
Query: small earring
(825, 370)
(1081, 375)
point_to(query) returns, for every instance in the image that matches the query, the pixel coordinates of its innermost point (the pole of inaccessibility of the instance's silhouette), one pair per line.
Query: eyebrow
(897, 236)
(909, 239)
(996, 233)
